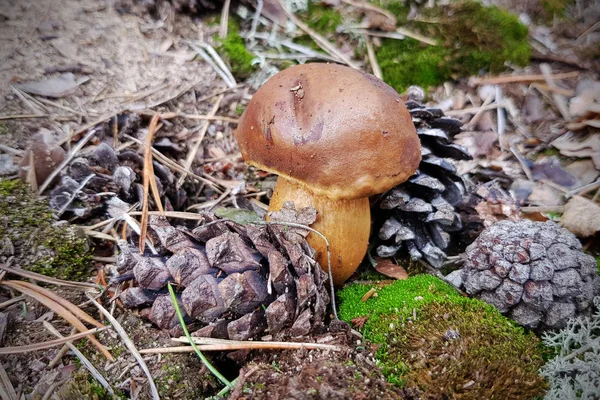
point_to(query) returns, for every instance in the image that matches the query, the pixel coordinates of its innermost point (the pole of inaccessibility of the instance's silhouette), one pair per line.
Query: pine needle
(129, 344)
(50, 343)
(149, 181)
(90, 367)
(203, 358)
(78, 312)
(58, 309)
(47, 279)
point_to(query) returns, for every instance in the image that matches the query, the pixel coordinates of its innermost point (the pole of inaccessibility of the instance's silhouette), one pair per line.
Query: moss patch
(320, 18)
(233, 50)
(471, 38)
(29, 232)
(491, 358)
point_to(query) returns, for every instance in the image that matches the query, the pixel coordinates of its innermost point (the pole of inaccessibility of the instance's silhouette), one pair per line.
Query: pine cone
(536, 272)
(237, 281)
(419, 213)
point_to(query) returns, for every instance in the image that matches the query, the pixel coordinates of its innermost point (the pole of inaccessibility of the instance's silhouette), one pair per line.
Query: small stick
(522, 162)
(559, 100)
(471, 110)
(498, 80)
(63, 350)
(12, 301)
(543, 209)
(249, 345)
(10, 150)
(23, 116)
(129, 344)
(75, 193)
(372, 57)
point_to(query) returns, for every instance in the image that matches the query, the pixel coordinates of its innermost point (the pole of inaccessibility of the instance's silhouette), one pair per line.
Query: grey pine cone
(536, 272)
(419, 214)
(233, 281)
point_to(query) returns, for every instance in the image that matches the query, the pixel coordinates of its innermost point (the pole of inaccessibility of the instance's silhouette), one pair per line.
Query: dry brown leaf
(359, 322)
(582, 216)
(573, 145)
(388, 268)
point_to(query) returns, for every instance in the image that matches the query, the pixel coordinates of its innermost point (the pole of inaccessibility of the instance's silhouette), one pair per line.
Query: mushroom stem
(345, 223)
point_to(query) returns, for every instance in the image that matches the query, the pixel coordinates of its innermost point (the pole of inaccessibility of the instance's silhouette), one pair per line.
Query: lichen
(492, 357)
(471, 37)
(29, 232)
(233, 50)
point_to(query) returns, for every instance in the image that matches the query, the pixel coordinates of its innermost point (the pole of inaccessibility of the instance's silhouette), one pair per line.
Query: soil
(132, 62)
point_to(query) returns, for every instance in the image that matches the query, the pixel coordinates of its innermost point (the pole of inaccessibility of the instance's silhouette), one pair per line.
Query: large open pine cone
(238, 281)
(419, 213)
(536, 272)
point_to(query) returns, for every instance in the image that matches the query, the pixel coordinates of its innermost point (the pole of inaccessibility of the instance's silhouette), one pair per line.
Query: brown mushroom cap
(339, 132)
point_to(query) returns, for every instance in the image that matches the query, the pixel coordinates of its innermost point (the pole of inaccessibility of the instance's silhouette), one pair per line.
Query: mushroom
(335, 136)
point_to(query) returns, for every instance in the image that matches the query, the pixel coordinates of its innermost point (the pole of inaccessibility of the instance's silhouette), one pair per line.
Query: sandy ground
(87, 37)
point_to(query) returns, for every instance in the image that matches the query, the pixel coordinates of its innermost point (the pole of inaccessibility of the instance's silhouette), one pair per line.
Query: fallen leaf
(583, 171)
(59, 86)
(388, 268)
(573, 145)
(545, 195)
(371, 293)
(550, 168)
(581, 216)
(359, 322)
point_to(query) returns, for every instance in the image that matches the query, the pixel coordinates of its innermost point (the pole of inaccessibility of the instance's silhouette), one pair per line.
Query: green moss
(320, 18)
(233, 50)
(83, 386)
(409, 320)
(29, 231)
(471, 38)
(3, 129)
(556, 8)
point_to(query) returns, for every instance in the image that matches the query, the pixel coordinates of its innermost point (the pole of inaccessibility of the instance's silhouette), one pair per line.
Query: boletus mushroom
(335, 136)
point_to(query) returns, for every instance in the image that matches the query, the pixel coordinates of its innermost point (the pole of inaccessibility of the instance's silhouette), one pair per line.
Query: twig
(23, 116)
(12, 301)
(43, 278)
(321, 41)
(255, 19)
(8, 149)
(61, 353)
(66, 161)
(522, 162)
(50, 391)
(202, 117)
(192, 154)
(498, 80)
(559, 100)
(129, 344)
(50, 343)
(224, 19)
(417, 36)
(583, 189)
(211, 344)
(398, 34)
(480, 110)
(372, 57)
(86, 363)
(543, 209)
